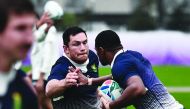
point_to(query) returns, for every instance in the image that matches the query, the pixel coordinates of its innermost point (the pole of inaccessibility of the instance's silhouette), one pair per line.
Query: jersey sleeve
(39, 33)
(58, 72)
(123, 71)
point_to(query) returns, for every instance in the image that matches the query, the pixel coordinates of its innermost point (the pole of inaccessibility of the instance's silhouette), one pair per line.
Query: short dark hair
(108, 40)
(71, 31)
(8, 7)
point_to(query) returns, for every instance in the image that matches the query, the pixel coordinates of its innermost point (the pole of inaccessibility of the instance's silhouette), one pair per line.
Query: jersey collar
(83, 66)
(119, 52)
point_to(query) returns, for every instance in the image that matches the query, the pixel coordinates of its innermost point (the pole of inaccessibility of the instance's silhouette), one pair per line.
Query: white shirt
(6, 78)
(45, 52)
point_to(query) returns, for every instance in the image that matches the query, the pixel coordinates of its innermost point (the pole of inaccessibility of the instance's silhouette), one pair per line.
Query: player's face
(17, 38)
(78, 48)
(102, 56)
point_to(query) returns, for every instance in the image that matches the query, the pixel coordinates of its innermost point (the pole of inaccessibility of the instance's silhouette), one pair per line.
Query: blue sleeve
(122, 72)
(58, 72)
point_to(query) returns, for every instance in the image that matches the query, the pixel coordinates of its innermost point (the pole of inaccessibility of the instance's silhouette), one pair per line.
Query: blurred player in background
(16, 37)
(45, 50)
(134, 74)
(41, 59)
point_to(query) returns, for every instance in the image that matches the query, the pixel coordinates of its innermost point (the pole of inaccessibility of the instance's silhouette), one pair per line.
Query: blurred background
(124, 14)
(159, 29)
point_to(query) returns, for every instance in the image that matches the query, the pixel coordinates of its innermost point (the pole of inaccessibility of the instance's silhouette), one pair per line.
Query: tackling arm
(55, 87)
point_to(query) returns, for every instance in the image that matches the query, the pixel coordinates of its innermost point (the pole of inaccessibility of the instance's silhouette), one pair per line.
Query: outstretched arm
(83, 80)
(100, 80)
(55, 87)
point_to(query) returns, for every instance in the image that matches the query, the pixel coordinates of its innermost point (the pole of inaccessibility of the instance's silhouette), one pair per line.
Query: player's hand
(105, 103)
(104, 100)
(71, 78)
(82, 79)
(39, 86)
(44, 19)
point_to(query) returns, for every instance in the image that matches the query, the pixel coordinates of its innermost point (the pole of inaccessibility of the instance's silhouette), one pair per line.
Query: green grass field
(177, 76)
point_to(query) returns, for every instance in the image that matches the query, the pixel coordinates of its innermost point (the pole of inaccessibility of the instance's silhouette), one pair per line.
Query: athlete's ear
(101, 50)
(66, 49)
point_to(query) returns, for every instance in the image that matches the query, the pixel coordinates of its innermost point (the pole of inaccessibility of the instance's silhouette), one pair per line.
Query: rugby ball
(111, 89)
(54, 10)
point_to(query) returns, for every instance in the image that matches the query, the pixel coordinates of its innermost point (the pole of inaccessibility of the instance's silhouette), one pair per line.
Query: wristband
(89, 81)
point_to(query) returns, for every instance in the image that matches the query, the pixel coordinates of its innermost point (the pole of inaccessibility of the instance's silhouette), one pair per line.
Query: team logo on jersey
(94, 68)
(17, 100)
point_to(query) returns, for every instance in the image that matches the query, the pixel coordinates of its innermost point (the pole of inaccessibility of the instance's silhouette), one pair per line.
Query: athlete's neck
(5, 63)
(115, 54)
(110, 55)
